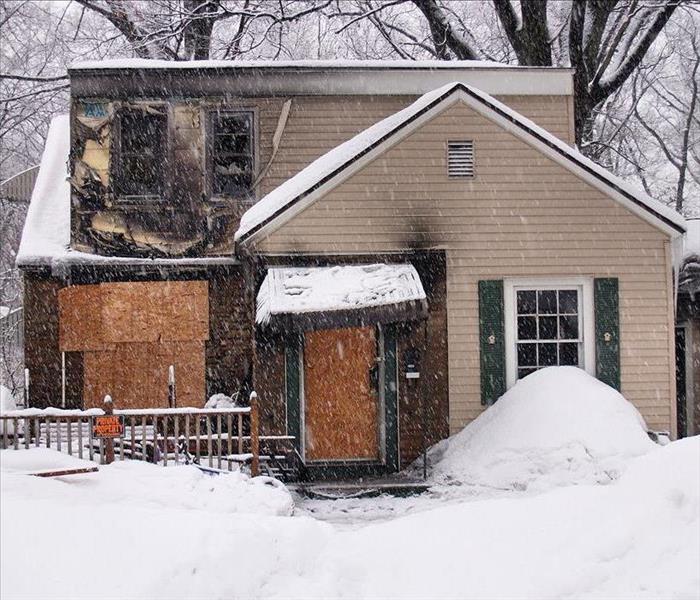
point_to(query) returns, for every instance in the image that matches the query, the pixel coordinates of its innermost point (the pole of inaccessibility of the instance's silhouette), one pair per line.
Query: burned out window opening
(142, 152)
(232, 154)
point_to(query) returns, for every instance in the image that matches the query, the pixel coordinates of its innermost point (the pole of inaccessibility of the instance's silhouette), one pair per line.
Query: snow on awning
(340, 296)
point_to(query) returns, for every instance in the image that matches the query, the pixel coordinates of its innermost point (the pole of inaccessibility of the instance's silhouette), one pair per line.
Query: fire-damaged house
(379, 249)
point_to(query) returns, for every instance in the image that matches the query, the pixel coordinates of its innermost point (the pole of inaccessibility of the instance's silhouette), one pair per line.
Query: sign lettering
(108, 426)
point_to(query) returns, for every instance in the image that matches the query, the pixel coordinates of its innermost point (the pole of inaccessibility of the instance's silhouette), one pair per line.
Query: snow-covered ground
(610, 515)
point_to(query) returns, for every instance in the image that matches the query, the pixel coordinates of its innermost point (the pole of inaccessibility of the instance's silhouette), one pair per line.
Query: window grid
(232, 153)
(142, 142)
(548, 328)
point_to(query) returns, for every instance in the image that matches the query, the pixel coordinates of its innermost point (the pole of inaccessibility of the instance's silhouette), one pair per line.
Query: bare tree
(603, 40)
(673, 121)
(185, 29)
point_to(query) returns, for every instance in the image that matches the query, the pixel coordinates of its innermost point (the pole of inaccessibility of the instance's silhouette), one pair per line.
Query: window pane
(547, 355)
(232, 154)
(527, 328)
(568, 327)
(527, 355)
(568, 302)
(141, 133)
(237, 123)
(143, 150)
(527, 302)
(548, 328)
(141, 176)
(231, 144)
(525, 372)
(547, 302)
(568, 354)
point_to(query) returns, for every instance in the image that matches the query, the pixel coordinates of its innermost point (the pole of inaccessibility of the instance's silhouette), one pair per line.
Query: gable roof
(329, 170)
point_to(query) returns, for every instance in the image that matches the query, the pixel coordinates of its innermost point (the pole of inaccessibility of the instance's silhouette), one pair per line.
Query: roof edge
(671, 223)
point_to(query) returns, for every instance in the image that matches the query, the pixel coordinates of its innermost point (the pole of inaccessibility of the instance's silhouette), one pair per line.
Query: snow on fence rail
(215, 437)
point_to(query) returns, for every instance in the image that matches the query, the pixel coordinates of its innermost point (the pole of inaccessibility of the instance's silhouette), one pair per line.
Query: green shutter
(292, 385)
(390, 398)
(607, 331)
(491, 341)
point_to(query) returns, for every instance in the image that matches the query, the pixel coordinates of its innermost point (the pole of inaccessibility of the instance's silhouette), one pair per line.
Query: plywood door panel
(340, 407)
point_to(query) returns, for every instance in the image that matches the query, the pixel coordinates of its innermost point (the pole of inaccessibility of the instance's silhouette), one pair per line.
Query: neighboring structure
(19, 187)
(15, 193)
(688, 335)
(411, 246)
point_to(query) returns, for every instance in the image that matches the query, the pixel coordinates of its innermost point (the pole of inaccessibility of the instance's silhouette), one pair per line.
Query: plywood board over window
(130, 333)
(80, 318)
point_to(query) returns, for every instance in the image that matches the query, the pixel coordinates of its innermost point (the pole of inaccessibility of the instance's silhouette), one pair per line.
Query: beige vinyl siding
(316, 124)
(522, 215)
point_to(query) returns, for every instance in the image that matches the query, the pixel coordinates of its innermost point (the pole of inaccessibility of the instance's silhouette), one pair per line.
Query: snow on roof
(332, 164)
(293, 290)
(46, 234)
(692, 238)
(142, 63)
(47, 226)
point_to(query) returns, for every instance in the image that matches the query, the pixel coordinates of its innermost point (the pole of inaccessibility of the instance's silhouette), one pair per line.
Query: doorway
(341, 406)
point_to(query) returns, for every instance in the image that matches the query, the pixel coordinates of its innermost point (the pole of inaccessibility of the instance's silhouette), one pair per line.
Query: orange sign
(108, 426)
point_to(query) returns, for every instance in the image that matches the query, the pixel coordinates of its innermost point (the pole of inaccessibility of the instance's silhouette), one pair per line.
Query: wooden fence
(215, 438)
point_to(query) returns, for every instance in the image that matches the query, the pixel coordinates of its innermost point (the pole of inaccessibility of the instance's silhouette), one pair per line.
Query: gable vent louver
(460, 158)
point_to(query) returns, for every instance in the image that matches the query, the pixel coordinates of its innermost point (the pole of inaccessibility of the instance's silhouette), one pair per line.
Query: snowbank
(144, 484)
(636, 538)
(558, 426)
(37, 460)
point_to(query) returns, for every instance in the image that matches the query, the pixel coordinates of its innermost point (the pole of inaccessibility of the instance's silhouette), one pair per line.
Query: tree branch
(604, 88)
(444, 36)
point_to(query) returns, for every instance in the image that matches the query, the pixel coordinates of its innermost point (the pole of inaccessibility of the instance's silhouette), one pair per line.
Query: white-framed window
(548, 322)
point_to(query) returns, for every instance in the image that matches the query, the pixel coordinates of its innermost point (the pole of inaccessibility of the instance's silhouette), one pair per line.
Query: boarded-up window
(232, 154)
(141, 154)
(130, 333)
(460, 158)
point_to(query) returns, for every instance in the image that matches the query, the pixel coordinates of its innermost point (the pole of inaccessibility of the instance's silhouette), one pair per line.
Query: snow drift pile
(143, 484)
(558, 426)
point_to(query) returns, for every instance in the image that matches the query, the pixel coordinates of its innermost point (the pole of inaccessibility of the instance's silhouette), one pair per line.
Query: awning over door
(340, 296)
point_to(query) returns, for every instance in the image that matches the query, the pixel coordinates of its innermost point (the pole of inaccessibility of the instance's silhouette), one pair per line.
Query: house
(688, 335)
(379, 249)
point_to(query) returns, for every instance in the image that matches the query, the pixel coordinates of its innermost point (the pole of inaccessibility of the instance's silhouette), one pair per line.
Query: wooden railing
(213, 438)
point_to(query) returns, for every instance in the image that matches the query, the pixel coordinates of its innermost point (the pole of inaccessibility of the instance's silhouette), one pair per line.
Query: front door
(341, 403)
